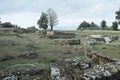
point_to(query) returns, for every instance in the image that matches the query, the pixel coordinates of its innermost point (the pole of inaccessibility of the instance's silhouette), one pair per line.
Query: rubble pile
(6, 57)
(55, 72)
(101, 70)
(92, 66)
(23, 70)
(58, 34)
(80, 62)
(107, 67)
(29, 54)
(92, 39)
(69, 68)
(10, 77)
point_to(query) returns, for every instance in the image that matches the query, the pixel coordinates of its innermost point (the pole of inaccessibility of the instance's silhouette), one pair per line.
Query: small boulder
(6, 57)
(55, 71)
(12, 77)
(29, 54)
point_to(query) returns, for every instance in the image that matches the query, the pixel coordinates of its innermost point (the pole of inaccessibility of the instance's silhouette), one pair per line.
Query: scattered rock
(103, 70)
(113, 38)
(79, 62)
(6, 57)
(100, 39)
(38, 79)
(107, 40)
(29, 54)
(59, 34)
(115, 76)
(26, 69)
(12, 77)
(74, 42)
(55, 71)
(85, 65)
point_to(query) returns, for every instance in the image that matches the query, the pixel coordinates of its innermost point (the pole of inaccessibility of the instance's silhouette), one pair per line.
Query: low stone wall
(57, 34)
(107, 68)
(97, 57)
(102, 72)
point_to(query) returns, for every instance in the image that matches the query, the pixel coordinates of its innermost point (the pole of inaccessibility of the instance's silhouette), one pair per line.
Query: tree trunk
(51, 28)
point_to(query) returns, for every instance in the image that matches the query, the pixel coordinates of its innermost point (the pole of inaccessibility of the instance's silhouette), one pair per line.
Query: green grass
(111, 51)
(49, 50)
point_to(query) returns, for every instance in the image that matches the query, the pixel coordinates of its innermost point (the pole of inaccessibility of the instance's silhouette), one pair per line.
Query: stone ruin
(57, 34)
(74, 42)
(113, 38)
(55, 71)
(101, 39)
(81, 62)
(99, 71)
(10, 77)
(6, 57)
(115, 76)
(69, 41)
(97, 57)
(29, 54)
(21, 71)
(68, 68)
(107, 67)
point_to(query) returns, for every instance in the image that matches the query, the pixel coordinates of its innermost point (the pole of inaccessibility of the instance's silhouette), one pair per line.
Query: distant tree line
(18, 29)
(87, 26)
(93, 26)
(8, 25)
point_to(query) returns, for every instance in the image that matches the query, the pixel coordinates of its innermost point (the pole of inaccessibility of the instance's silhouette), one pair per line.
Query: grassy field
(51, 49)
(108, 50)
(47, 49)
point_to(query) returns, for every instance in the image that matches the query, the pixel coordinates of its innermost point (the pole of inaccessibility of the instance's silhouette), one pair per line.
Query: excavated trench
(107, 68)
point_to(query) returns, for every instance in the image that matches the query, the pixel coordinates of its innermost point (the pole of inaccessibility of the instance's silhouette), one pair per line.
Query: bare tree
(52, 18)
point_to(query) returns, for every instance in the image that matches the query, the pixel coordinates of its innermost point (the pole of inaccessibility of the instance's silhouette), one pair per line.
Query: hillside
(30, 56)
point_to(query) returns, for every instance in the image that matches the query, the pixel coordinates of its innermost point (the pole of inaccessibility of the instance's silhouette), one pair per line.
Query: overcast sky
(70, 13)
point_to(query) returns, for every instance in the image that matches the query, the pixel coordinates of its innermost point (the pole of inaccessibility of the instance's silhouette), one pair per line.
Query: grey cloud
(11, 6)
(62, 6)
(76, 10)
